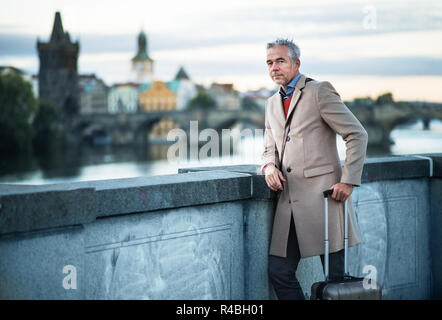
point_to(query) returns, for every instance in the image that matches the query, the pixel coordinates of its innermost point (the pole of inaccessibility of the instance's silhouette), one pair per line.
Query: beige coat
(312, 159)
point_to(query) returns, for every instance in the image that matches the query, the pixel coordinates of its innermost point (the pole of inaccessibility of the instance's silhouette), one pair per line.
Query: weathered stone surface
(205, 233)
(35, 210)
(184, 253)
(436, 235)
(75, 203)
(260, 189)
(258, 223)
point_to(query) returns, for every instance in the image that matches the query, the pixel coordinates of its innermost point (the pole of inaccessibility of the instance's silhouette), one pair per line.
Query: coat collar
(278, 109)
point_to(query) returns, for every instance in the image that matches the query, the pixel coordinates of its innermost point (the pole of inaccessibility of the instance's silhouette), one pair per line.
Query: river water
(98, 163)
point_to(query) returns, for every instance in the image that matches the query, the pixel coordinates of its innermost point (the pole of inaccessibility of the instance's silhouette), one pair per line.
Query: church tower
(142, 64)
(58, 76)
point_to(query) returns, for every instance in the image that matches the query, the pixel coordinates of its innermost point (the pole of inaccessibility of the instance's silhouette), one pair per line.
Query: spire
(182, 75)
(58, 34)
(142, 47)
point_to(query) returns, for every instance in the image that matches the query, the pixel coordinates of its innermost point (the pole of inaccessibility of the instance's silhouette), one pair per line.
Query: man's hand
(341, 191)
(274, 177)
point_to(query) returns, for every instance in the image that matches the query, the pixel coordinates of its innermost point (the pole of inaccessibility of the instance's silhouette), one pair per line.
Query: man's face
(281, 68)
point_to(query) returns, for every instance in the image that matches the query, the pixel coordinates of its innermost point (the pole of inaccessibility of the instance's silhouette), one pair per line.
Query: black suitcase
(348, 287)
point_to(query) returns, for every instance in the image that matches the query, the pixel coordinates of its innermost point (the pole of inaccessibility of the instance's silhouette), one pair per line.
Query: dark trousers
(282, 271)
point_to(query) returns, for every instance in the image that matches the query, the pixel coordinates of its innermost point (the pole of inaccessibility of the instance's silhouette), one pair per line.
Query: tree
(47, 126)
(18, 107)
(202, 101)
(386, 98)
(250, 105)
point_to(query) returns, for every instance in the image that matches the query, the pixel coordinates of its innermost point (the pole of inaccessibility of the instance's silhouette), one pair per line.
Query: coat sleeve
(270, 153)
(341, 120)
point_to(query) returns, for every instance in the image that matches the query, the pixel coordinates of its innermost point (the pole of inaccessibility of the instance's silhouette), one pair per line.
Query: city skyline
(364, 48)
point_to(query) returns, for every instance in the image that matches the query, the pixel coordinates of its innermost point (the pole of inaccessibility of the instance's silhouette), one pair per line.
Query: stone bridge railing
(381, 120)
(204, 234)
(133, 128)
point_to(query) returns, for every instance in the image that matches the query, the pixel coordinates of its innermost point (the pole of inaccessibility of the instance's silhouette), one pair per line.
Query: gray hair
(294, 51)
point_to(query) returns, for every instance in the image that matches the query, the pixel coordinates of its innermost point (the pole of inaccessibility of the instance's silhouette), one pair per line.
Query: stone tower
(58, 76)
(142, 64)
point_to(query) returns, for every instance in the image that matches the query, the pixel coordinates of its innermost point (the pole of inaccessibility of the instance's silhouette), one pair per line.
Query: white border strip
(431, 163)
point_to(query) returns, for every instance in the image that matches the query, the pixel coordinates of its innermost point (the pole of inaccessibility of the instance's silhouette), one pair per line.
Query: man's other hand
(274, 177)
(341, 191)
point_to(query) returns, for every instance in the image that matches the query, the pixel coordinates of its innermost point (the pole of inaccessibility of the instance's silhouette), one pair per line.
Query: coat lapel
(278, 109)
(296, 96)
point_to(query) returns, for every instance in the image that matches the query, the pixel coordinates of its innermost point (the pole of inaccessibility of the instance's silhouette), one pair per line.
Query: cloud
(209, 41)
(379, 66)
(11, 44)
(241, 23)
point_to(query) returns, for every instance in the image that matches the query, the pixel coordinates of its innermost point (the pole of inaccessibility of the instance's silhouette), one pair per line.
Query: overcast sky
(362, 47)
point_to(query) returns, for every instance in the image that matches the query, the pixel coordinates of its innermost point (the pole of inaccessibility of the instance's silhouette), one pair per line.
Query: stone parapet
(204, 234)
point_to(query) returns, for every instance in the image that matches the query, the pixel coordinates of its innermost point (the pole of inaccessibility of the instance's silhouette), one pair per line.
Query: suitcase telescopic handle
(327, 193)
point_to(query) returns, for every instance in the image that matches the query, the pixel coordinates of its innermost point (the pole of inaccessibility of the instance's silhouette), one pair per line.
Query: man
(300, 161)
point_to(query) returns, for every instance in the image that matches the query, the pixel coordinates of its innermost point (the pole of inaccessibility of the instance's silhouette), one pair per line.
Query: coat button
(289, 170)
(290, 201)
(287, 139)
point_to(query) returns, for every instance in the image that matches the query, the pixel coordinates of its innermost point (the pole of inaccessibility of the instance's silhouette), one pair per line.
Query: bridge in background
(379, 121)
(134, 128)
